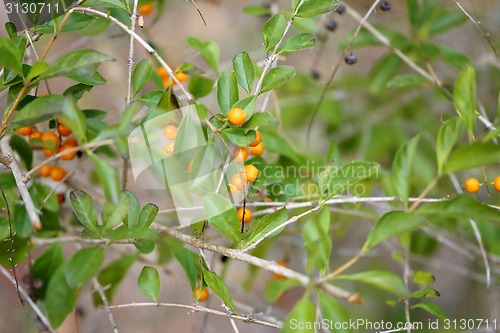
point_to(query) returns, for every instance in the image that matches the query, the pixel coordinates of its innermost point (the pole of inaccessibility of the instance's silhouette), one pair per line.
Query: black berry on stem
(385, 5)
(351, 59)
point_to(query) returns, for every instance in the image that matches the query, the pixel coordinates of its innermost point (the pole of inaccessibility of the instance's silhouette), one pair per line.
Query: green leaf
(383, 280)
(276, 288)
(425, 293)
(276, 77)
(262, 119)
(247, 104)
(112, 275)
(273, 31)
(464, 97)
(423, 278)
(147, 215)
(317, 241)
(336, 312)
(141, 74)
(431, 308)
(114, 214)
(406, 80)
(335, 180)
(24, 149)
(299, 42)
(80, 63)
(84, 209)
(108, 177)
(21, 223)
(303, 312)
(446, 20)
(74, 118)
(245, 71)
(461, 207)
(12, 29)
(46, 265)
(275, 143)
(239, 136)
(133, 210)
(227, 91)
(448, 135)
(149, 282)
(210, 51)
(266, 224)
(392, 224)
(37, 69)
(189, 262)
(218, 287)
(39, 110)
(105, 4)
(474, 155)
(312, 8)
(222, 216)
(60, 299)
(257, 10)
(401, 169)
(383, 71)
(200, 86)
(83, 265)
(10, 57)
(145, 245)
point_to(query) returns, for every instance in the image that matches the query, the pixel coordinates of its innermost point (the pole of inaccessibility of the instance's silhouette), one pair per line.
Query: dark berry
(385, 6)
(351, 59)
(341, 9)
(331, 25)
(315, 74)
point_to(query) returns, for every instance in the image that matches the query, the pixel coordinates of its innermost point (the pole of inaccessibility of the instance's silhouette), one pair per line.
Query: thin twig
(337, 66)
(28, 300)
(149, 48)
(11, 245)
(98, 287)
(197, 308)
(199, 12)
(485, 34)
(10, 161)
(250, 259)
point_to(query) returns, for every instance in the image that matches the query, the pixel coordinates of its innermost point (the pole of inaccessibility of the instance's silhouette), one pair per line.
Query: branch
(197, 308)
(149, 48)
(28, 300)
(98, 287)
(9, 160)
(250, 259)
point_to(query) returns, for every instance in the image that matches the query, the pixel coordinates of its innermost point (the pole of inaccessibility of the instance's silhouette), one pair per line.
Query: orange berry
(237, 116)
(145, 9)
(258, 139)
(251, 173)
(60, 198)
(168, 149)
(67, 156)
(257, 150)
(45, 170)
(25, 130)
(233, 189)
(244, 215)
(238, 181)
(496, 183)
(64, 130)
(162, 72)
(58, 173)
(35, 135)
(47, 136)
(170, 132)
(472, 185)
(47, 152)
(70, 142)
(240, 154)
(182, 77)
(283, 264)
(200, 295)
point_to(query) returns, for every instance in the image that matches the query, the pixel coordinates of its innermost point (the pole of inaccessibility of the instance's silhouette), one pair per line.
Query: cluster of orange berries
(145, 9)
(52, 144)
(237, 117)
(165, 78)
(472, 185)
